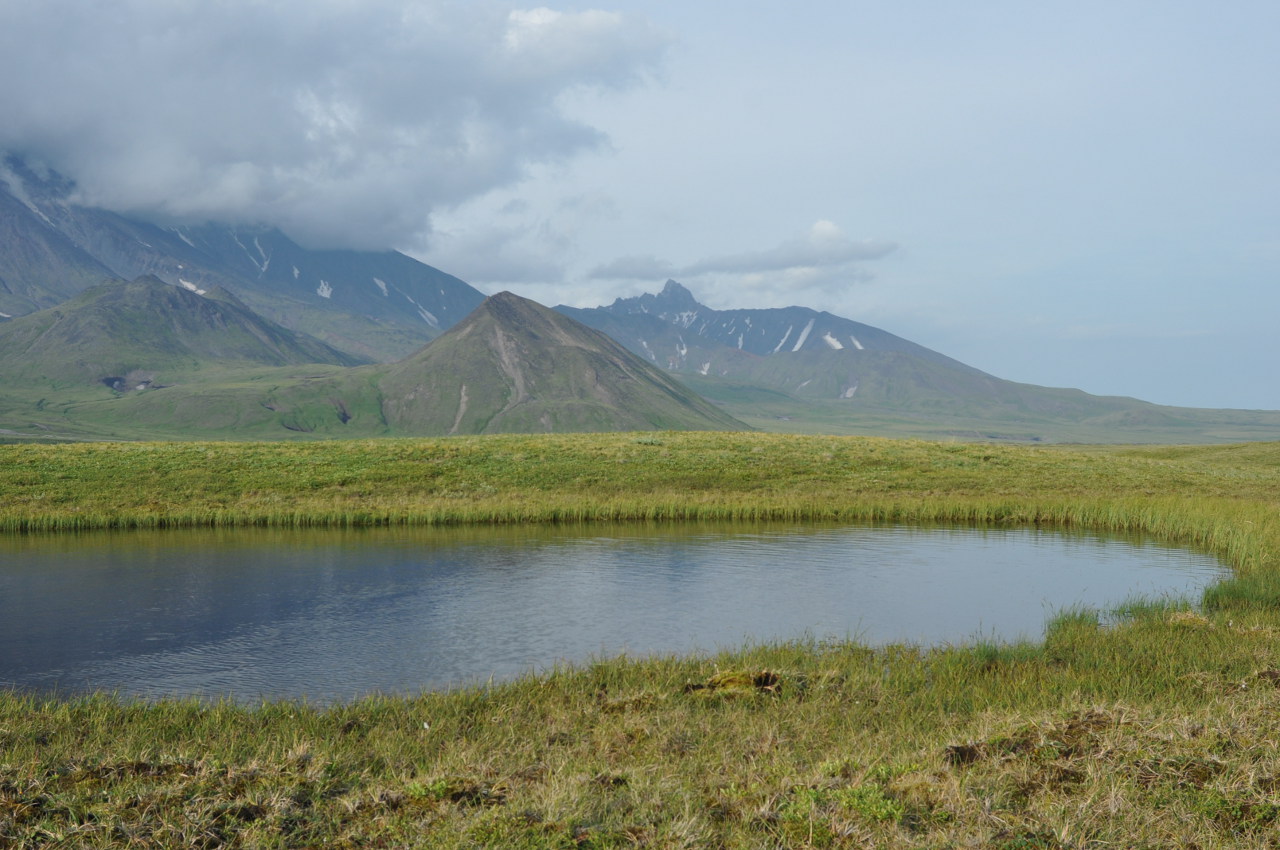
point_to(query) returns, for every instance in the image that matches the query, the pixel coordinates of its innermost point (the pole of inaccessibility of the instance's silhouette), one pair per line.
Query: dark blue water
(331, 615)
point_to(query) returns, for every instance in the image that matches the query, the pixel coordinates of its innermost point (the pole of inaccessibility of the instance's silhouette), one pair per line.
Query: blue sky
(1069, 194)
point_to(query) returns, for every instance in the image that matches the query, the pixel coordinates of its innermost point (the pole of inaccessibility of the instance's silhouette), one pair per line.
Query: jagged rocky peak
(674, 299)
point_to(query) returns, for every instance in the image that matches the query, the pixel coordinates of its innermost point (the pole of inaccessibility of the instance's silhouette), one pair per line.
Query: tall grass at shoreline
(1220, 499)
(1152, 727)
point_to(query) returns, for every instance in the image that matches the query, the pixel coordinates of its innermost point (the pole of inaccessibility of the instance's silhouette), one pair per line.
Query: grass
(1153, 725)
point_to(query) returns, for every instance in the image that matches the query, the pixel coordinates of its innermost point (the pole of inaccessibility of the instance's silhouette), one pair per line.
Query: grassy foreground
(1158, 730)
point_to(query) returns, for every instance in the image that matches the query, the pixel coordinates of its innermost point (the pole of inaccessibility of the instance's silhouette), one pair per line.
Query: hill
(516, 366)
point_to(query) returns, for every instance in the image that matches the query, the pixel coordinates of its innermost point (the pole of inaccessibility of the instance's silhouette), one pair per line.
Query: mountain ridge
(795, 368)
(376, 305)
(145, 359)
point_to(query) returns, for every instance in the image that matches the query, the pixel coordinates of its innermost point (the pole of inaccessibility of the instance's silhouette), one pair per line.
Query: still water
(331, 615)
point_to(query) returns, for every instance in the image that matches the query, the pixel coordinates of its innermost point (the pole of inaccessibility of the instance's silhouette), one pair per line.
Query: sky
(1081, 194)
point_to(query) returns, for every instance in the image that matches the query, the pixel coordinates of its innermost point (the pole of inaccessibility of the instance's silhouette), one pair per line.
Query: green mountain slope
(147, 360)
(129, 335)
(516, 366)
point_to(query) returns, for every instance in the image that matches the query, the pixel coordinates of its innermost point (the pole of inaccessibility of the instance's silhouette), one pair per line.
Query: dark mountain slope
(378, 305)
(39, 265)
(675, 331)
(799, 369)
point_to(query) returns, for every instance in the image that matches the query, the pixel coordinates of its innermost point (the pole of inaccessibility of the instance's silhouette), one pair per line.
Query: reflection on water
(331, 615)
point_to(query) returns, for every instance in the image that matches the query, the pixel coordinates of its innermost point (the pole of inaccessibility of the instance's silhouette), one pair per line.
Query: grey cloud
(824, 258)
(494, 255)
(823, 247)
(633, 268)
(343, 123)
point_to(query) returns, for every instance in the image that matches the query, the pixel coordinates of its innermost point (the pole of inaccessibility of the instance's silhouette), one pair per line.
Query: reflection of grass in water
(1214, 498)
(1152, 725)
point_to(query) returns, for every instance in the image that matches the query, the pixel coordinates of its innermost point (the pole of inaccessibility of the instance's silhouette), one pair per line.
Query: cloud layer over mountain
(340, 122)
(824, 259)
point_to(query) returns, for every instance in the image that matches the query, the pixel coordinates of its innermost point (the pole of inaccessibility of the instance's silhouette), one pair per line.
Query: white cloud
(343, 123)
(824, 246)
(495, 254)
(823, 260)
(646, 267)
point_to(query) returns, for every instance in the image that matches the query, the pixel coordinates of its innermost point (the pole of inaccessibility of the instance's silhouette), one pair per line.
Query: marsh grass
(1150, 725)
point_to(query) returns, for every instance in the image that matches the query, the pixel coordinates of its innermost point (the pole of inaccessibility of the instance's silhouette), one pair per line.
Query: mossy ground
(1157, 730)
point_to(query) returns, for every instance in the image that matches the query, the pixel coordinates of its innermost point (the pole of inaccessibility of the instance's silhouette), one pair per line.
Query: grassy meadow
(1155, 725)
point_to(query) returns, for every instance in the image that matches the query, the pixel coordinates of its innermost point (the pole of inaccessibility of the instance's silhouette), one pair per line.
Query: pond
(332, 615)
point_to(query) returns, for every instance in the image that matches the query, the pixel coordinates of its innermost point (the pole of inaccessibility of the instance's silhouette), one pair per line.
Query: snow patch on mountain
(427, 315)
(256, 264)
(804, 334)
(266, 258)
(324, 290)
(684, 319)
(832, 341)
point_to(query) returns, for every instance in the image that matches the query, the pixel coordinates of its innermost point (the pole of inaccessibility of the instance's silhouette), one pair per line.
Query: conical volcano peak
(515, 365)
(503, 303)
(516, 316)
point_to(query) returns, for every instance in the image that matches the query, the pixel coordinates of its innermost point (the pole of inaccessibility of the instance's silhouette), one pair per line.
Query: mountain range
(111, 326)
(147, 359)
(800, 369)
(375, 305)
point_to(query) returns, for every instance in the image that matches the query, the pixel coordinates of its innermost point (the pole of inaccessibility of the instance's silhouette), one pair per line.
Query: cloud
(497, 239)
(824, 246)
(646, 267)
(822, 260)
(343, 123)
